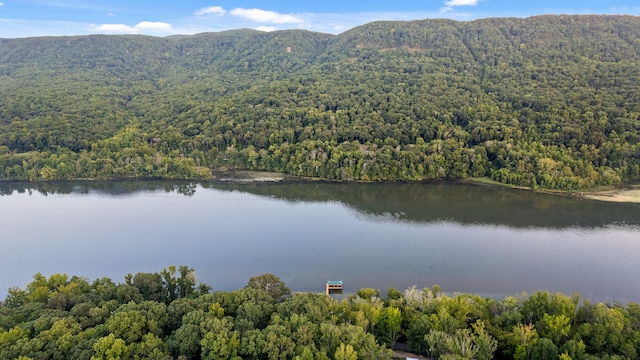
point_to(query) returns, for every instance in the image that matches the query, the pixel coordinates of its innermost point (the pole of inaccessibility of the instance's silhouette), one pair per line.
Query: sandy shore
(248, 176)
(627, 193)
(630, 195)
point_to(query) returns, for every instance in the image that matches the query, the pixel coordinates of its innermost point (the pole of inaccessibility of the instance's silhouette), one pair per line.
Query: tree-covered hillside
(166, 316)
(547, 101)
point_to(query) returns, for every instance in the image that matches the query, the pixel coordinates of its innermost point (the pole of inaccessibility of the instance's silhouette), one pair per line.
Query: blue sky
(23, 18)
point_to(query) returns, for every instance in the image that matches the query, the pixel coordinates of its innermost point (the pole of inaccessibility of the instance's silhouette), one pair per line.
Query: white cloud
(150, 25)
(211, 10)
(1, 4)
(266, 28)
(265, 16)
(144, 26)
(116, 28)
(449, 5)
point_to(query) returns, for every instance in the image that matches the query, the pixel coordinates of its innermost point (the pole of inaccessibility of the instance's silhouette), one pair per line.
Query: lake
(485, 240)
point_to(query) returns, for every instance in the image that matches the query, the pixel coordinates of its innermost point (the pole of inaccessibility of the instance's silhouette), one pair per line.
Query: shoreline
(248, 176)
(627, 193)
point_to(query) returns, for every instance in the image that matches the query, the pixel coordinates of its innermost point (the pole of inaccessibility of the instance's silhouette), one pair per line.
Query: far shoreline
(626, 193)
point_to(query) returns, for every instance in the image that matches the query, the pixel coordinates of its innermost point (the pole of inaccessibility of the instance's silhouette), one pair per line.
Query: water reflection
(107, 188)
(407, 202)
(461, 203)
(476, 239)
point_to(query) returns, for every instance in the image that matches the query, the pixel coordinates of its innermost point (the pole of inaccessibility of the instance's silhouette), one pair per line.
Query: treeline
(547, 101)
(167, 316)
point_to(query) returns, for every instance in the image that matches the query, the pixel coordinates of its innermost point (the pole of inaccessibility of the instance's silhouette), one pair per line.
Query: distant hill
(547, 101)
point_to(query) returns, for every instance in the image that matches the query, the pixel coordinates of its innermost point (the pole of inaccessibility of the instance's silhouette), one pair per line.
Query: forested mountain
(547, 101)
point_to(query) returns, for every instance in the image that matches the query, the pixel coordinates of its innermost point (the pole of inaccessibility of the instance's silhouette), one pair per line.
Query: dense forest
(167, 316)
(544, 102)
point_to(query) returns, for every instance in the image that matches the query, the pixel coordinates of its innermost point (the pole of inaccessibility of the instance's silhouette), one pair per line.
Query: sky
(26, 18)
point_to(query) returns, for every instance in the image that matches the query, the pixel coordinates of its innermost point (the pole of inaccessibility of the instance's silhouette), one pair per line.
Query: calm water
(468, 238)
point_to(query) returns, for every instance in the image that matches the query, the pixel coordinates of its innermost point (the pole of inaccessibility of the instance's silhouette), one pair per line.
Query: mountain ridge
(549, 101)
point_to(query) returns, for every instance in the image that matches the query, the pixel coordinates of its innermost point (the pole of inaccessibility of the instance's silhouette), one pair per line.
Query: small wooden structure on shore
(333, 286)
